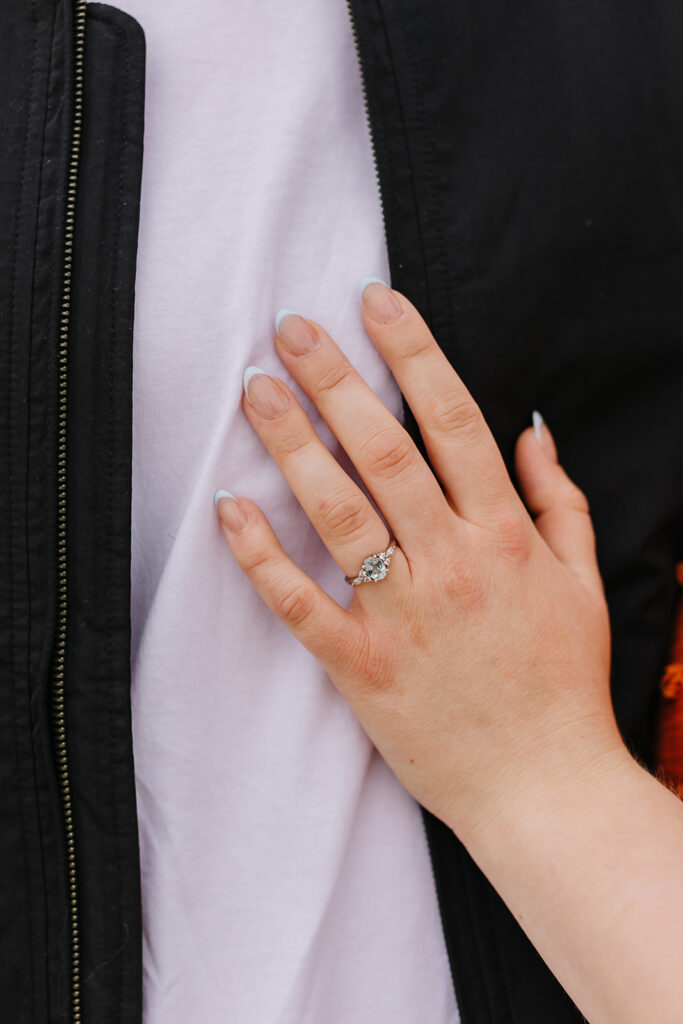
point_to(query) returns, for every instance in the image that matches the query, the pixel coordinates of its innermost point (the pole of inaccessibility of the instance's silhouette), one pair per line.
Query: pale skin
(479, 667)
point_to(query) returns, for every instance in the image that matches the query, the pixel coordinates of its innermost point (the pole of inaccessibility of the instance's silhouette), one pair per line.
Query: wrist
(589, 864)
(575, 761)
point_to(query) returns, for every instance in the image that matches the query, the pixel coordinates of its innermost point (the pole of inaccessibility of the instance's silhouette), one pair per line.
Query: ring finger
(342, 515)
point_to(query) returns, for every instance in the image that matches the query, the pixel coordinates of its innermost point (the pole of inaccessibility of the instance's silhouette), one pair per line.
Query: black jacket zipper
(59, 659)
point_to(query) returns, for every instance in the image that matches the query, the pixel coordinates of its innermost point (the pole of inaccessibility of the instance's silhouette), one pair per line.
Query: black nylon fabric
(36, 64)
(35, 53)
(530, 156)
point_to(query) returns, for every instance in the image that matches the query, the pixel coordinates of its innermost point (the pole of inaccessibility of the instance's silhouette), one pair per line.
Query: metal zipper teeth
(59, 663)
(366, 105)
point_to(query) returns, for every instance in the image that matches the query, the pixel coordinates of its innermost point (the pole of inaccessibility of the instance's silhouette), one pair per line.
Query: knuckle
(257, 562)
(389, 454)
(344, 516)
(372, 663)
(295, 605)
(415, 342)
(290, 443)
(575, 498)
(514, 535)
(333, 377)
(462, 580)
(419, 628)
(451, 413)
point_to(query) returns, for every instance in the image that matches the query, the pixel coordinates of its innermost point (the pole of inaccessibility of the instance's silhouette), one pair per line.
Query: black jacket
(530, 162)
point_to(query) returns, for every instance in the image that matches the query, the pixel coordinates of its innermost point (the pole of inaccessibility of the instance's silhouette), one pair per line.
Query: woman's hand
(479, 666)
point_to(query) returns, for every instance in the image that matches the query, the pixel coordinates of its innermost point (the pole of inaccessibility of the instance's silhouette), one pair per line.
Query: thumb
(559, 506)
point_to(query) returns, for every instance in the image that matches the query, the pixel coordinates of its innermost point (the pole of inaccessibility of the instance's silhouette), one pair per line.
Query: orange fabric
(669, 750)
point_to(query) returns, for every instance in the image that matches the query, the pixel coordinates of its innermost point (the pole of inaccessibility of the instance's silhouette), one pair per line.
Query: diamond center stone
(375, 568)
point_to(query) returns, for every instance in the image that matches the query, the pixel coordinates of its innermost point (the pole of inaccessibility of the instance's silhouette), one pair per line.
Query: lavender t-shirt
(285, 872)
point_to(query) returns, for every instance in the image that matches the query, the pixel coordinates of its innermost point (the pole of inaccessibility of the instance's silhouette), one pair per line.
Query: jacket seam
(437, 219)
(475, 930)
(33, 746)
(495, 953)
(115, 307)
(430, 182)
(12, 491)
(123, 42)
(406, 148)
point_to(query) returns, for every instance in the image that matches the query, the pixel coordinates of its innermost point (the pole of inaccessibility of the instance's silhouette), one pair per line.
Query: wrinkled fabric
(285, 872)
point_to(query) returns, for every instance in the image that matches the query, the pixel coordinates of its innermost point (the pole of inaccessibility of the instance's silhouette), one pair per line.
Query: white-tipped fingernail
(222, 494)
(264, 393)
(296, 335)
(379, 301)
(231, 515)
(279, 316)
(250, 372)
(537, 421)
(369, 280)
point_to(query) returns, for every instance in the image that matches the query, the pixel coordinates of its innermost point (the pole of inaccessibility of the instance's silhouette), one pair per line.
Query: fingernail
(229, 511)
(543, 435)
(537, 421)
(378, 300)
(295, 333)
(265, 393)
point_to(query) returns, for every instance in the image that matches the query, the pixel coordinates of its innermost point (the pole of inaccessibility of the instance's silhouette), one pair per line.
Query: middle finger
(389, 462)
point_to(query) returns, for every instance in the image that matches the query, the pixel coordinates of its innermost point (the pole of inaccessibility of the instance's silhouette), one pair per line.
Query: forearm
(485, 646)
(593, 871)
